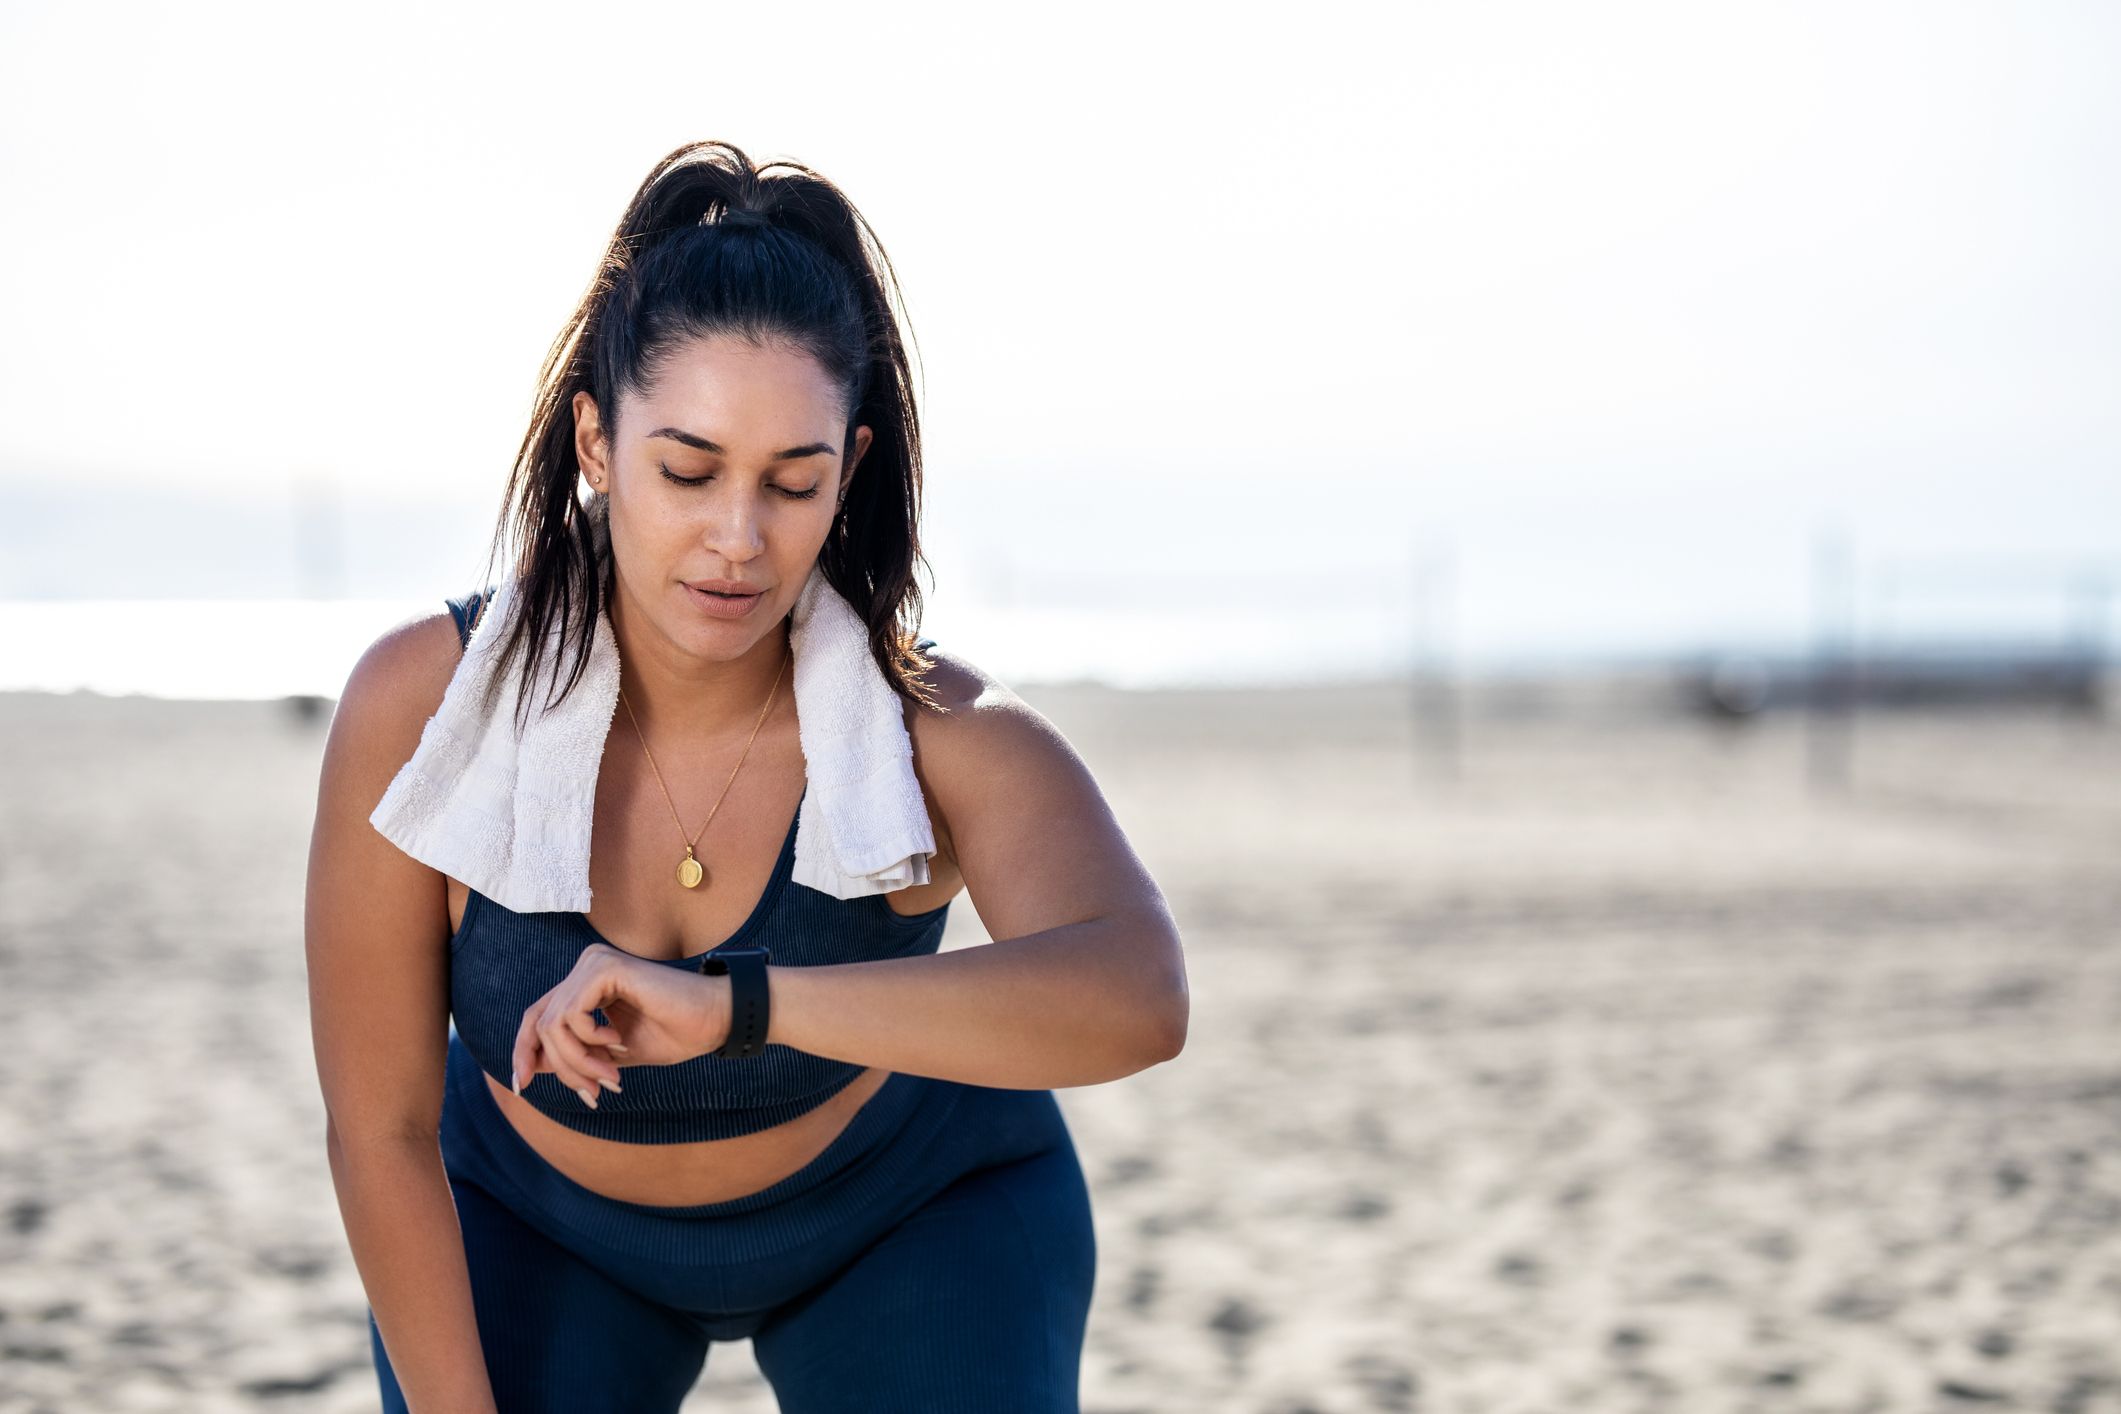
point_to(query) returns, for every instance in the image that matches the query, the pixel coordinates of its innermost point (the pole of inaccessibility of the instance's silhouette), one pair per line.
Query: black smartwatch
(748, 1010)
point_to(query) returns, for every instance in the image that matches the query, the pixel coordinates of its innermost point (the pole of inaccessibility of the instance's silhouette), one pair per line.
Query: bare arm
(1085, 981)
(376, 935)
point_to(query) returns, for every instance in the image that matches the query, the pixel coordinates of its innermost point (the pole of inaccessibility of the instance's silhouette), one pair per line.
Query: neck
(688, 705)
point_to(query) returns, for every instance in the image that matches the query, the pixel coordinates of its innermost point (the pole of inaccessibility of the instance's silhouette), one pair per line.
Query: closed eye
(677, 480)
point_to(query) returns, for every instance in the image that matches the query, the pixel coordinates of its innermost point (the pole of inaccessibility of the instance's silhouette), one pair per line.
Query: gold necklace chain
(690, 871)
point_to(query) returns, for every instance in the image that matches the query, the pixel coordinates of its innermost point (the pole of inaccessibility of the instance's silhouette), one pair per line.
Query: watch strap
(749, 1005)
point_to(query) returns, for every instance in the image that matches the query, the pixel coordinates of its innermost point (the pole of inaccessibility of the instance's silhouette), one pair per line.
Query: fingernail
(619, 1048)
(515, 1081)
(611, 1085)
(589, 1095)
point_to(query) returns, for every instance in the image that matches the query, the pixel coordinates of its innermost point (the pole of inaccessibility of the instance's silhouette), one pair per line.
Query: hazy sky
(1623, 300)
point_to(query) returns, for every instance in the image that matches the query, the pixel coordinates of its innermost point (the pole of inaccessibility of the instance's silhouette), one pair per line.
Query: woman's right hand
(659, 1015)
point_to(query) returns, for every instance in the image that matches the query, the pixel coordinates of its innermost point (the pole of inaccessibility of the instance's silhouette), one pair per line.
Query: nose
(733, 527)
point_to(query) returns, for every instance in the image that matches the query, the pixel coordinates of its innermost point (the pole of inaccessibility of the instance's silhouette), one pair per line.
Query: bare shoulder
(1025, 821)
(980, 729)
(962, 687)
(404, 673)
(393, 688)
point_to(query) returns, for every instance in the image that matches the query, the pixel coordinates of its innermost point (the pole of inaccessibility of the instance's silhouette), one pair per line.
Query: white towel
(510, 814)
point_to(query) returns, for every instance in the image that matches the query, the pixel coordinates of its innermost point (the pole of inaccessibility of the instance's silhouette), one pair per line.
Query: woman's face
(732, 469)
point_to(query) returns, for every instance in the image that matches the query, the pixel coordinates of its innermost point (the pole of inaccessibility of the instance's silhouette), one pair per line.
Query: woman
(885, 1201)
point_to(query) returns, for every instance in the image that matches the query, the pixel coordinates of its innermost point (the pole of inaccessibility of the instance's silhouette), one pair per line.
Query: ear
(862, 438)
(589, 444)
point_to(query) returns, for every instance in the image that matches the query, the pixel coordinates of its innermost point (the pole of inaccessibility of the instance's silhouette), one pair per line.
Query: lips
(724, 605)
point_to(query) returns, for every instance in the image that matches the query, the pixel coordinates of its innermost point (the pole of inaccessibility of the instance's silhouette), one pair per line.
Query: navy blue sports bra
(501, 961)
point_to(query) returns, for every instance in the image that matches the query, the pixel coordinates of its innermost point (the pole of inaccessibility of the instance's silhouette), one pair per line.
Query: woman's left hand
(659, 1015)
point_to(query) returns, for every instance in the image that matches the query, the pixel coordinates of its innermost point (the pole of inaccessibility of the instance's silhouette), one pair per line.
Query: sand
(1619, 1068)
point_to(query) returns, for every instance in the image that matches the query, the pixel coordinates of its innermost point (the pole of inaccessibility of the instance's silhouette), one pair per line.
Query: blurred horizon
(189, 583)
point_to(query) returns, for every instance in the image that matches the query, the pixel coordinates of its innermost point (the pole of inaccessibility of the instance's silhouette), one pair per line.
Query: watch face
(717, 962)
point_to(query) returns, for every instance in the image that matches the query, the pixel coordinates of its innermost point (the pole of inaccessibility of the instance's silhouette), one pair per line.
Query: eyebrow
(679, 434)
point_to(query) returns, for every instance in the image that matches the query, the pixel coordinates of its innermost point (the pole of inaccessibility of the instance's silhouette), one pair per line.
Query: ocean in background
(269, 648)
(171, 592)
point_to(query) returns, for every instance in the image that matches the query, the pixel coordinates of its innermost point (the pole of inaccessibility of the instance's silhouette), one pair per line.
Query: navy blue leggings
(938, 1256)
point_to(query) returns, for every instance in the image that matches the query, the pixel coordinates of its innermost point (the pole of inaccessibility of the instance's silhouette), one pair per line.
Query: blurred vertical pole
(320, 567)
(1831, 700)
(2091, 595)
(1435, 698)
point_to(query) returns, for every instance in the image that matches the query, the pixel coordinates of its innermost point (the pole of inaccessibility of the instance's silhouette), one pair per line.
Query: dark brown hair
(807, 271)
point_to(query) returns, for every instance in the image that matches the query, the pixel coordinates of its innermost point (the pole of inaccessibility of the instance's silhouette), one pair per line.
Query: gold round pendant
(690, 872)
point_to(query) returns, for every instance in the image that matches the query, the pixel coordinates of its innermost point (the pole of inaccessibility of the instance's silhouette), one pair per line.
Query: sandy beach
(1614, 1067)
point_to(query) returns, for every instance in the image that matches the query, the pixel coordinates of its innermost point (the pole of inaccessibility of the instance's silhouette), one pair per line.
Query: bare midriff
(678, 1175)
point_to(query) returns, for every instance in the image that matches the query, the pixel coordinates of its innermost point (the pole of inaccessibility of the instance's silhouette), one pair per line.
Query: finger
(593, 1038)
(569, 1058)
(608, 986)
(616, 1018)
(523, 1059)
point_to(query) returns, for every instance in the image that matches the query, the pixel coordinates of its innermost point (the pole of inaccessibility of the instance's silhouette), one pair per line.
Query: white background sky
(1624, 300)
